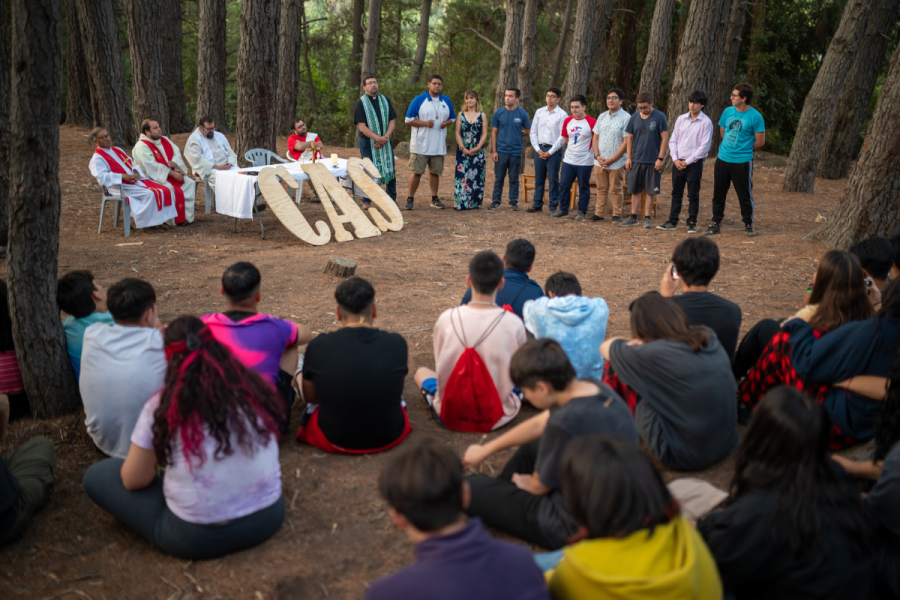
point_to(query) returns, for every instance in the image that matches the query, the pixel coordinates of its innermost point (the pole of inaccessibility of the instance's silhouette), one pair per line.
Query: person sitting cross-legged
(470, 390)
(213, 428)
(456, 557)
(576, 322)
(525, 500)
(79, 295)
(364, 413)
(122, 365)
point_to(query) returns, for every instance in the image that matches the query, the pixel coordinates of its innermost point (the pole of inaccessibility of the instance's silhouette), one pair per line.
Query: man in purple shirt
(689, 145)
(455, 557)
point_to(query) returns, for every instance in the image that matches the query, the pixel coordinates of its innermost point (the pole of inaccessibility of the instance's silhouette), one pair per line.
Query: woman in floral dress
(471, 133)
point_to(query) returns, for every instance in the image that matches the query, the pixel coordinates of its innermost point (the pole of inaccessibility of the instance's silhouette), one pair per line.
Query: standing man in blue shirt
(743, 131)
(508, 126)
(428, 116)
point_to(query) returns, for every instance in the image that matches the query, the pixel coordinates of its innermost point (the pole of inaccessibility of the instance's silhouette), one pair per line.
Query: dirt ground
(337, 537)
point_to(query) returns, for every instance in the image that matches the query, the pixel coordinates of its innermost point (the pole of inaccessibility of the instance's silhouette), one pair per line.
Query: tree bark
(598, 37)
(371, 46)
(843, 140)
(657, 48)
(806, 150)
(4, 129)
(35, 206)
(580, 57)
(148, 99)
(511, 51)
(359, 9)
(256, 76)
(526, 64)
(289, 46)
(103, 56)
(719, 100)
(309, 76)
(628, 47)
(561, 45)
(871, 202)
(78, 88)
(757, 38)
(211, 62)
(173, 75)
(421, 44)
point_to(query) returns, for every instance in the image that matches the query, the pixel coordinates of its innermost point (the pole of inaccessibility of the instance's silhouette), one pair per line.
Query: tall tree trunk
(309, 75)
(103, 56)
(173, 75)
(598, 37)
(580, 57)
(871, 202)
(657, 49)
(289, 46)
(359, 9)
(256, 75)
(148, 98)
(696, 57)
(757, 38)
(806, 150)
(560, 51)
(78, 88)
(4, 129)
(34, 207)
(718, 44)
(211, 62)
(421, 43)
(371, 46)
(719, 100)
(511, 51)
(842, 142)
(628, 47)
(526, 64)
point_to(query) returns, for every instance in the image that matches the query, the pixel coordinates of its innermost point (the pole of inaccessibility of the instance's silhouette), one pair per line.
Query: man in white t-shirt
(578, 162)
(122, 366)
(428, 116)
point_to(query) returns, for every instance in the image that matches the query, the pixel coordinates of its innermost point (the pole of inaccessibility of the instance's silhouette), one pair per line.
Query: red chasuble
(162, 194)
(176, 185)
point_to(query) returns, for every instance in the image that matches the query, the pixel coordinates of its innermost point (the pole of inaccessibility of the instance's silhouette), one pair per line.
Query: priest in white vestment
(207, 151)
(159, 158)
(151, 204)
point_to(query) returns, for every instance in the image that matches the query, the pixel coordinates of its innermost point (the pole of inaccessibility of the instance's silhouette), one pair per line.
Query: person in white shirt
(157, 156)
(609, 152)
(151, 204)
(122, 366)
(545, 129)
(578, 163)
(428, 116)
(208, 151)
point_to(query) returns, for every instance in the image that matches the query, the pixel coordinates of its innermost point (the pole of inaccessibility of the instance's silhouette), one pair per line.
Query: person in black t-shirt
(374, 134)
(695, 262)
(363, 412)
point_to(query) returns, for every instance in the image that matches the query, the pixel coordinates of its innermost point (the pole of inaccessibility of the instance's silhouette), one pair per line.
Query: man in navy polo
(508, 126)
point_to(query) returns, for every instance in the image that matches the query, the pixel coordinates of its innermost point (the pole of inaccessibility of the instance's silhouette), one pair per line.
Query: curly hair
(209, 392)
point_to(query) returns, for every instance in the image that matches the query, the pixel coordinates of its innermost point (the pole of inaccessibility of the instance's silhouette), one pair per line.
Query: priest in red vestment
(161, 160)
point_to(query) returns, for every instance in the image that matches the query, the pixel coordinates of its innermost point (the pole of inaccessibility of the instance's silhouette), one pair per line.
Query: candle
(334, 159)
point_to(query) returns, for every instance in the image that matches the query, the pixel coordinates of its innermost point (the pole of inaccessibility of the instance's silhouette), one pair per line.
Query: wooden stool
(573, 195)
(527, 184)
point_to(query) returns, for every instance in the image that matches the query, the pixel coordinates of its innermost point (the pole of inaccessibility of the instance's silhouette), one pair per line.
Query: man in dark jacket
(517, 287)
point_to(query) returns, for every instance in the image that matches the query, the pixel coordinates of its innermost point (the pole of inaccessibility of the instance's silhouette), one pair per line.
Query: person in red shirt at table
(300, 142)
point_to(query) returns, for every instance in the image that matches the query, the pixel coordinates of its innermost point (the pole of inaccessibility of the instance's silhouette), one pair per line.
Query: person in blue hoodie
(518, 288)
(576, 322)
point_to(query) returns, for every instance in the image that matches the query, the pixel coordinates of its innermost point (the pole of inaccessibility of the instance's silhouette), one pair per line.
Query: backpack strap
(516, 297)
(461, 334)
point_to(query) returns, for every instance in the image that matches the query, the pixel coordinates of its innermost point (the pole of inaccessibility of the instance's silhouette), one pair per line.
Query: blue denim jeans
(507, 163)
(365, 151)
(544, 169)
(567, 178)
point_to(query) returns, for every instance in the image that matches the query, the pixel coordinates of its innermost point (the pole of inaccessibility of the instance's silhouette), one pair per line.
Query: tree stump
(340, 267)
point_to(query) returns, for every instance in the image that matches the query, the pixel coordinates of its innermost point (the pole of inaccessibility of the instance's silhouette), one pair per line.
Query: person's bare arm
(864, 469)
(629, 141)
(760, 140)
(304, 335)
(531, 484)
(869, 386)
(309, 391)
(483, 137)
(618, 154)
(668, 285)
(604, 347)
(459, 140)
(139, 468)
(521, 434)
(495, 156)
(364, 129)
(526, 132)
(418, 123)
(301, 146)
(390, 129)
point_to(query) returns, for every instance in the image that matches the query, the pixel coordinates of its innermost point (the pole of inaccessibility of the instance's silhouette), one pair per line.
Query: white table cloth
(236, 192)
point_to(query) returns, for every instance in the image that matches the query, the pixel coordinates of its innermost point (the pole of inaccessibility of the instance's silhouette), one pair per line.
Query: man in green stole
(375, 118)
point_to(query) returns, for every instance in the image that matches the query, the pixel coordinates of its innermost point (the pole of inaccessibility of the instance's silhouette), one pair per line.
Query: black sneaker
(534, 209)
(667, 226)
(494, 206)
(580, 216)
(409, 204)
(713, 229)
(261, 207)
(435, 203)
(631, 221)
(648, 224)
(692, 226)
(593, 218)
(315, 199)
(617, 219)
(558, 214)
(513, 206)
(748, 229)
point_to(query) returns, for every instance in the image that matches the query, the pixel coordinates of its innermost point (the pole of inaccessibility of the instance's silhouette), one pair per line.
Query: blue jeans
(507, 163)
(543, 169)
(567, 178)
(365, 151)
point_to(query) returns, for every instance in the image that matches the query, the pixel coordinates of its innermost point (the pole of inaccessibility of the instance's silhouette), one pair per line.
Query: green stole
(382, 157)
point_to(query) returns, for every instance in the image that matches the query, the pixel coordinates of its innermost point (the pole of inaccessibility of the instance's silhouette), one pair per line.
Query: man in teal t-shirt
(743, 131)
(79, 295)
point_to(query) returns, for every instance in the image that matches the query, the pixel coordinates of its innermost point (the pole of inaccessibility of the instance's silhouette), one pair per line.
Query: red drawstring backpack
(470, 401)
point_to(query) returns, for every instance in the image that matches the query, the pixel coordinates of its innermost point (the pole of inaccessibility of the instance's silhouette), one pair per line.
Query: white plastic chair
(116, 200)
(260, 157)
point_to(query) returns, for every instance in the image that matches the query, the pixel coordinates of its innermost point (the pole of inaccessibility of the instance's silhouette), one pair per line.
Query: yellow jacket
(671, 563)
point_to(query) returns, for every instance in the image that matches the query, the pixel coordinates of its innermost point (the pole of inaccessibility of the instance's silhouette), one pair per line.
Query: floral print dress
(468, 189)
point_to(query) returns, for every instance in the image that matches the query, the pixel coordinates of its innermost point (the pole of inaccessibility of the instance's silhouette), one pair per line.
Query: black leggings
(752, 346)
(145, 512)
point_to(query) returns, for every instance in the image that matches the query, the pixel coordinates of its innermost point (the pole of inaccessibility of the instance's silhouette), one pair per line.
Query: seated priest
(158, 157)
(207, 151)
(301, 141)
(151, 203)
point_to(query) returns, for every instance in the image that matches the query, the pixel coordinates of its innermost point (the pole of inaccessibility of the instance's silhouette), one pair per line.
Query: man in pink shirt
(689, 145)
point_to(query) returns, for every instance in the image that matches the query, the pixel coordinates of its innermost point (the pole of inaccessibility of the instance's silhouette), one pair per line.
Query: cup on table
(334, 161)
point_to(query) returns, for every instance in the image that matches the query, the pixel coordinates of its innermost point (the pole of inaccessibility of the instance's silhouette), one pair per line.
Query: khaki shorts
(417, 163)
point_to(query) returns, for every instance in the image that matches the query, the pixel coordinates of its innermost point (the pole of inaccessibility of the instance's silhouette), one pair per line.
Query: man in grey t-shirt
(647, 137)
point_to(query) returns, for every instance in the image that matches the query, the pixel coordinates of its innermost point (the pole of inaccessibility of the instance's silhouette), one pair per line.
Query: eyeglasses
(612, 97)
(735, 95)
(552, 96)
(205, 128)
